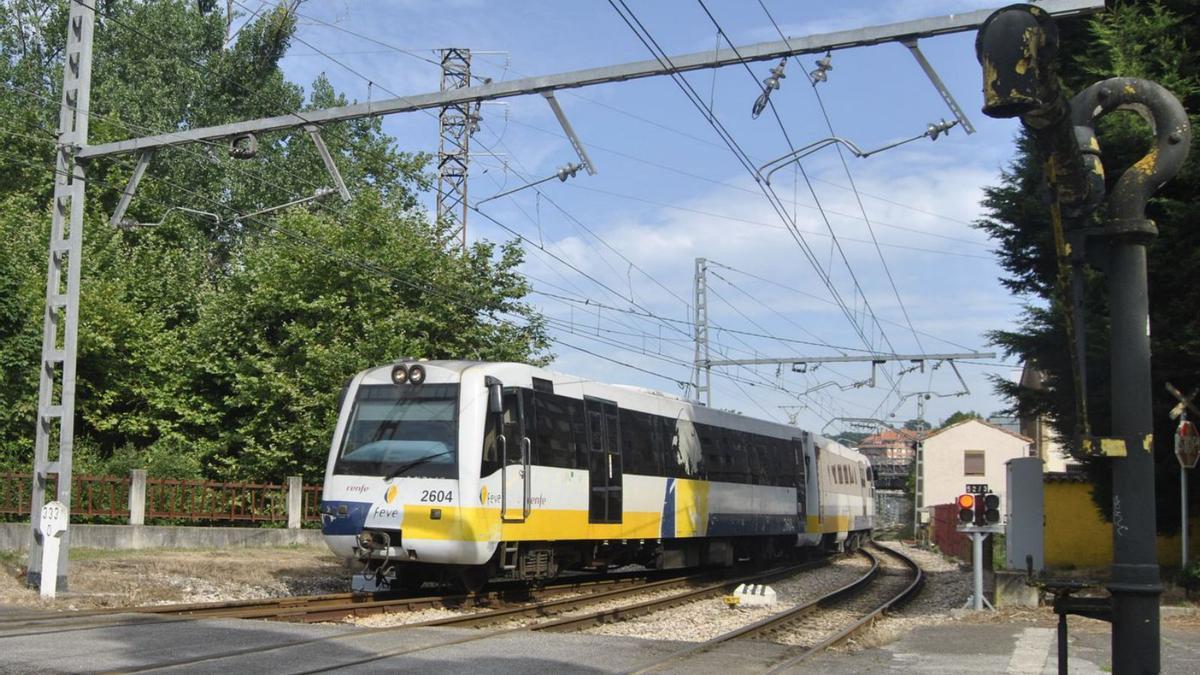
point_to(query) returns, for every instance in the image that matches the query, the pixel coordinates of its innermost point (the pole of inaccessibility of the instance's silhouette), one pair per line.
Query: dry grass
(129, 578)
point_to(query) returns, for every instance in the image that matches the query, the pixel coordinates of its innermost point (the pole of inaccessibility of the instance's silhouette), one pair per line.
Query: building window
(973, 463)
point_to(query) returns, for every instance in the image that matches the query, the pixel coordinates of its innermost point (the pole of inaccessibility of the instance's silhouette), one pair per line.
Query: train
(462, 472)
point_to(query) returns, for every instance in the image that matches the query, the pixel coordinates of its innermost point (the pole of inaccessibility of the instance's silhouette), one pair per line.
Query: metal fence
(179, 501)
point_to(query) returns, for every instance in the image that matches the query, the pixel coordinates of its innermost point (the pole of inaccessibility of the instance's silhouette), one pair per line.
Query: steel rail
(780, 620)
(491, 616)
(483, 618)
(460, 621)
(571, 623)
(574, 623)
(867, 620)
(359, 599)
(301, 608)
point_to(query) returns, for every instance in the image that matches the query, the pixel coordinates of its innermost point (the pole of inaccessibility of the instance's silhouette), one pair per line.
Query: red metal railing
(203, 500)
(310, 506)
(177, 500)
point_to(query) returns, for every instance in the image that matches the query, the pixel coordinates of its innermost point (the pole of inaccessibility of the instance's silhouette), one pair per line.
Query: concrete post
(295, 502)
(137, 497)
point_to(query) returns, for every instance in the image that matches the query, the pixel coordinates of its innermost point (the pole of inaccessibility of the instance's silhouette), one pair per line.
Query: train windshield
(402, 430)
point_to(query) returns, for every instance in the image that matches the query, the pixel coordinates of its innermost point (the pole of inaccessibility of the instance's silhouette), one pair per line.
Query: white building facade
(971, 452)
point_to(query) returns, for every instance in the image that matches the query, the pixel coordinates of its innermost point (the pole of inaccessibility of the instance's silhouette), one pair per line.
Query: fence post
(295, 502)
(137, 497)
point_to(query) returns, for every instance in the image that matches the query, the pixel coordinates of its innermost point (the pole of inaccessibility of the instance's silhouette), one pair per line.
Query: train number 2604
(437, 495)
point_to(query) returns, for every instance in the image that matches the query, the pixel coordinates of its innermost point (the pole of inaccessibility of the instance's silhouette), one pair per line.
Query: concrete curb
(16, 537)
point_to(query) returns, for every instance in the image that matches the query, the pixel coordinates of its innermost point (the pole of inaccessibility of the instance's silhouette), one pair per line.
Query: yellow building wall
(1076, 536)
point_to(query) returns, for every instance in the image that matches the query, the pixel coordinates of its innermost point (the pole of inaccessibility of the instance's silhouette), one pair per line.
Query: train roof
(632, 397)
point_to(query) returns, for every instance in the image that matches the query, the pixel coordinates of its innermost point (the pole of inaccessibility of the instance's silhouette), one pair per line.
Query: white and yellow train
(464, 471)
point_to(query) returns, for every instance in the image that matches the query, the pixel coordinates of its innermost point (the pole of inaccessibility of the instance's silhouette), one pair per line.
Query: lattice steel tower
(701, 369)
(456, 123)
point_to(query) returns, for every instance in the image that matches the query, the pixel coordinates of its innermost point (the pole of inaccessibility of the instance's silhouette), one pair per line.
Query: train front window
(405, 430)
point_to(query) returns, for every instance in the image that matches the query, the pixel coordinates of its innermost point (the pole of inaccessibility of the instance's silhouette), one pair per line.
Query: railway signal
(978, 515)
(978, 509)
(966, 509)
(991, 509)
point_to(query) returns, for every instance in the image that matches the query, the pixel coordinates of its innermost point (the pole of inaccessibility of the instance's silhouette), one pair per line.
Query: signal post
(978, 516)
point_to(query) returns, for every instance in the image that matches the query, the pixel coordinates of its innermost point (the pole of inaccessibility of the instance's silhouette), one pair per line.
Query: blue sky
(667, 191)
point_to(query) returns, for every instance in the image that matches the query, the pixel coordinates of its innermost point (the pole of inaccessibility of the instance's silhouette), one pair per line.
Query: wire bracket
(139, 170)
(932, 74)
(566, 126)
(314, 132)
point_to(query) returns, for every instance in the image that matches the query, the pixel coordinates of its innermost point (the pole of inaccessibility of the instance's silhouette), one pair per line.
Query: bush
(1189, 578)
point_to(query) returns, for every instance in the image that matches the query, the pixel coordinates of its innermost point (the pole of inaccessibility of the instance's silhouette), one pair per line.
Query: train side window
(491, 450)
(579, 433)
(506, 423)
(554, 441)
(637, 431)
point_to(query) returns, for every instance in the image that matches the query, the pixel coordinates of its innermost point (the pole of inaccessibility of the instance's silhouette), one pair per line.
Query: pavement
(131, 642)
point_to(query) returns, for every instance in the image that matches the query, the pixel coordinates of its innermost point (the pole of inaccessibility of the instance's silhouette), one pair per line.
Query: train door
(515, 456)
(604, 461)
(801, 474)
(817, 477)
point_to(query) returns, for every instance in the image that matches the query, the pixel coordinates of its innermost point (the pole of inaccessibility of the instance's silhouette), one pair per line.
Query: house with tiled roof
(971, 452)
(891, 453)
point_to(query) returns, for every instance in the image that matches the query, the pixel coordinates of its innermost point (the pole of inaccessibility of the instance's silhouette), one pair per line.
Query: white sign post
(53, 525)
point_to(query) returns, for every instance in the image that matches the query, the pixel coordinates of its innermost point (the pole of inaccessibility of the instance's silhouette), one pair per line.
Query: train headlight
(416, 375)
(400, 375)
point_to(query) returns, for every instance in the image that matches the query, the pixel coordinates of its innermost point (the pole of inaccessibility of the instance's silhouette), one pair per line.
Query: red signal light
(966, 508)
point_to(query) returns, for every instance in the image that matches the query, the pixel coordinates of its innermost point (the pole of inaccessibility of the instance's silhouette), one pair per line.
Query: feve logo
(390, 495)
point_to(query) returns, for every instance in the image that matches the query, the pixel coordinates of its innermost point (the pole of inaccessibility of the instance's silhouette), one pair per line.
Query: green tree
(960, 416)
(215, 345)
(1151, 40)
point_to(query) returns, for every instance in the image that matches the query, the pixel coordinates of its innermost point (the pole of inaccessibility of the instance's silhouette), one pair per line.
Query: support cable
(812, 191)
(850, 178)
(656, 50)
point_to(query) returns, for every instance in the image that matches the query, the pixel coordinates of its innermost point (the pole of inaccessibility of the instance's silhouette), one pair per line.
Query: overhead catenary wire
(773, 199)
(674, 129)
(540, 244)
(315, 246)
(850, 178)
(310, 243)
(648, 40)
(818, 298)
(812, 191)
(350, 69)
(740, 188)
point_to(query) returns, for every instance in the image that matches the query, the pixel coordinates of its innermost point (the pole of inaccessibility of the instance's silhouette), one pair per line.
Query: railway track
(535, 616)
(890, 594)
(309, 608)
(566, 607)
